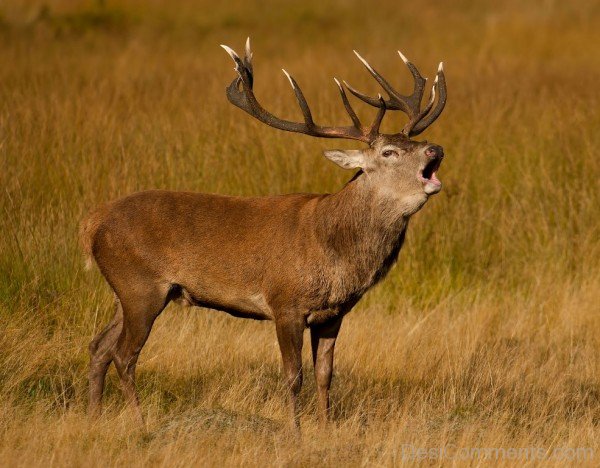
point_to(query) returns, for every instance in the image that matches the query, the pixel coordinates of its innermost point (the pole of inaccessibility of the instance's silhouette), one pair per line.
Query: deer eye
(388, 153)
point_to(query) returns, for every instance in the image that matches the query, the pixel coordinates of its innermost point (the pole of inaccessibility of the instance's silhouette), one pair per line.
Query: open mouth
(428, 176)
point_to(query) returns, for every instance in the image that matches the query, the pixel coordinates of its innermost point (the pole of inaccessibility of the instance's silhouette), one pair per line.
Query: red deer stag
(300, 260)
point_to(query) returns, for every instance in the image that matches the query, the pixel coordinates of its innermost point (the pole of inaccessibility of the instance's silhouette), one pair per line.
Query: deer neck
(360, 225)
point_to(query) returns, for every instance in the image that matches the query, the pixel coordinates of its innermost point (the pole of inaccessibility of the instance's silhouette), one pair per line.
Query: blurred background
(487, 325)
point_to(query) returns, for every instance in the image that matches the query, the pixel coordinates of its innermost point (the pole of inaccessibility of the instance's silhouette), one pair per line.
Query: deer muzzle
(427, 175)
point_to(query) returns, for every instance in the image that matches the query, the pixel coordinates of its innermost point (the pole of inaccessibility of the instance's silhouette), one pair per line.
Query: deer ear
(348, 159)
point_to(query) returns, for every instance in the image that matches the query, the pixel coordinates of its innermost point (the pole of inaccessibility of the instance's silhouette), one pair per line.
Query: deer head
(397, 165)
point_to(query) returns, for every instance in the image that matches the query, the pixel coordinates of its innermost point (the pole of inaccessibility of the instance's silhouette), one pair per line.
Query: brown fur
(301, 260)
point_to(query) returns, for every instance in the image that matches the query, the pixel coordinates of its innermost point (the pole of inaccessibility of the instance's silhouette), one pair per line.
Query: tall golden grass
(485, 334)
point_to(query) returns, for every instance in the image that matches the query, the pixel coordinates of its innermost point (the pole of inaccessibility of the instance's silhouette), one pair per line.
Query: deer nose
(435, 151)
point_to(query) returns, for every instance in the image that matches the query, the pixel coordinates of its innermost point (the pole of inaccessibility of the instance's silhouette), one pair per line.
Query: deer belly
(252, 306)
(318, 317)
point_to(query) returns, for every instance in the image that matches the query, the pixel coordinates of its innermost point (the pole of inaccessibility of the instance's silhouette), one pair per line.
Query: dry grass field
(485, 334)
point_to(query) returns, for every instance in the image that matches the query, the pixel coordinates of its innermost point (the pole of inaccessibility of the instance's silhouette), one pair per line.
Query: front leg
(323, 338)
(290, 331)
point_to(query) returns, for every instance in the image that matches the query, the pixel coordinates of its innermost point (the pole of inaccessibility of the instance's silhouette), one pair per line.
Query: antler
(240, 94)
(419, 119)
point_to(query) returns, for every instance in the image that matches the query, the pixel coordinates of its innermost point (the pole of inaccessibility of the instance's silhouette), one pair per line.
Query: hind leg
(101, 355)
(139, 313)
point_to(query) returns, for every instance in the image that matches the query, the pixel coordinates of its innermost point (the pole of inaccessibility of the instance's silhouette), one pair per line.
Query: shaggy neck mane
(361, 232)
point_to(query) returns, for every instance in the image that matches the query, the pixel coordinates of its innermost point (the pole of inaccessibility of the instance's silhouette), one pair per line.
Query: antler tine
(440, 85)
(248, 59)
(374, 129)
(363, 97)
(301, 100)
(347, 105)
(243, 97)
(395, 98)
(239, 65)
(414, 100)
